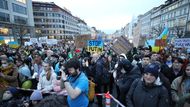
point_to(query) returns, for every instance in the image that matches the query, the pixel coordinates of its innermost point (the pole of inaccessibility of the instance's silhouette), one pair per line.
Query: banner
(42, 39)
(2, 40)
(13, 44)
(27, 43)
(182, 43)
(33, 40)
(51, 41)
(95, 46)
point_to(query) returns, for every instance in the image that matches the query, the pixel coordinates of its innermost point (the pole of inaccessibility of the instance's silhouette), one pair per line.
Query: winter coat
(44, 84)
(178, 92)
(124, 82)
(169, 73)
(99, 69)
(140, 95)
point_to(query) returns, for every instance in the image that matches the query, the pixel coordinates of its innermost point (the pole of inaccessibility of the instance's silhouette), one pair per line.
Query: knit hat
(153, 69)
(36, 95)
(13, 90)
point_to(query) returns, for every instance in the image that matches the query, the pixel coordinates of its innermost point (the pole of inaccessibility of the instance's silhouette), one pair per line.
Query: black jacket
(141, 96)
(124, 81)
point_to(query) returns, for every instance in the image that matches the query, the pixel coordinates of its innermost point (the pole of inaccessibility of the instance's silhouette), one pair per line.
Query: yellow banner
(94, 49)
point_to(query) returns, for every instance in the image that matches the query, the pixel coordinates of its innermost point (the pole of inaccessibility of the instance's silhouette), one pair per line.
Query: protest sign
(121, 45)
(33, 40)
(95, 46)
(43, 39)
(182, 43)
(81, 40)
(51, 41)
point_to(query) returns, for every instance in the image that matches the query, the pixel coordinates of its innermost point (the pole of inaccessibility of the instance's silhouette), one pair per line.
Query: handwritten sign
(182, 43)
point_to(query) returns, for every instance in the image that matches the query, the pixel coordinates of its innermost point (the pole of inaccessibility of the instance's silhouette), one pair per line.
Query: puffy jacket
(141, 96)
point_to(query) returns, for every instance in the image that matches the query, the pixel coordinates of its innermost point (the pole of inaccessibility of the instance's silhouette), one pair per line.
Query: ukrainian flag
(13, 44)
(2, 40)
(164, 34)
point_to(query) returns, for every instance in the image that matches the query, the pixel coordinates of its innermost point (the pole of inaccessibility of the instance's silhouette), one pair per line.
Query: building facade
(16, 19)
(175, 15)
(155, 19)
(145, 24)
(83, 27)
(53, 21)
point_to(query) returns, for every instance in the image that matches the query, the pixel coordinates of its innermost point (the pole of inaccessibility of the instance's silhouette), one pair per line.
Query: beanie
(13, 90)
(36, 95)
(153, 69)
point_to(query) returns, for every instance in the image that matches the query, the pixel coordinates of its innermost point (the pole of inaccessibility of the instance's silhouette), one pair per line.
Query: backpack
(91, 91)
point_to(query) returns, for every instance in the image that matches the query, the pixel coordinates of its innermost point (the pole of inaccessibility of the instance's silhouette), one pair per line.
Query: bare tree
(156, 31)
(179, 31)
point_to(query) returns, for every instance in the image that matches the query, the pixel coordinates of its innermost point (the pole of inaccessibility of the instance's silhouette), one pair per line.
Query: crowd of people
(46, 76)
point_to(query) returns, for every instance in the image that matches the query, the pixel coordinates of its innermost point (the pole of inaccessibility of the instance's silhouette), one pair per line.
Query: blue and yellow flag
(13, 44)
(2, 40)
(164, 34)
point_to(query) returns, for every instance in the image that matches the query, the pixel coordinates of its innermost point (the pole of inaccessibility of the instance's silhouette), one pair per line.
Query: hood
(157, 82)
(135, 72)
(123, 55)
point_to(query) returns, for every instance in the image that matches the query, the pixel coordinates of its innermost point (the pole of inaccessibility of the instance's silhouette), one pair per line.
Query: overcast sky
(107, 15)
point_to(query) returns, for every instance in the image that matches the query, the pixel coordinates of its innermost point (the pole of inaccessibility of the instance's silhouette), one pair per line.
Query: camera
(64, 70)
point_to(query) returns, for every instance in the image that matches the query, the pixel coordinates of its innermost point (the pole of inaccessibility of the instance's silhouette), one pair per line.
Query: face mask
(7, 96)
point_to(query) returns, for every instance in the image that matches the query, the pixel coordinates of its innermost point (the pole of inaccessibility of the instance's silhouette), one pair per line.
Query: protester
(181, 89)
(8, 75)
(23, 70)
(53, 101)
(148, 91)
(76, 84)
(47, 79)
(128, 74)
(10, 98)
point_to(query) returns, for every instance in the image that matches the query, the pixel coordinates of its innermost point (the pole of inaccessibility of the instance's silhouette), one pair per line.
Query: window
(174, 14)
(19, 9)
(22, 1)
(4, 17)
(181, 12)
(3, 4)
(20, 20)
(185, 10)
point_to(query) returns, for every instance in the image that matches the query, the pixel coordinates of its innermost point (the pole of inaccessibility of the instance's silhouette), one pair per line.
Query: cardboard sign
(95, 46)
(182, 43)
(81, 40)
(160, 42)
(121, 45)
